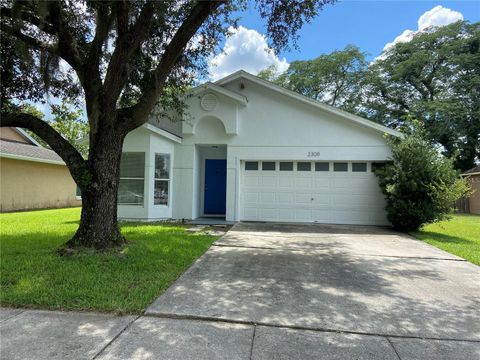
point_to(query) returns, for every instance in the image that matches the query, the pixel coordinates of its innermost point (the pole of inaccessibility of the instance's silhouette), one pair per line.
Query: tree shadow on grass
(448, 239)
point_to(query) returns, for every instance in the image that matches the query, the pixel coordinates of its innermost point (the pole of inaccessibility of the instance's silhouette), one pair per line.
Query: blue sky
(367, 24)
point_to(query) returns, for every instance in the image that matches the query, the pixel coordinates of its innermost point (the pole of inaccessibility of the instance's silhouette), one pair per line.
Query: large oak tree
(124, 58)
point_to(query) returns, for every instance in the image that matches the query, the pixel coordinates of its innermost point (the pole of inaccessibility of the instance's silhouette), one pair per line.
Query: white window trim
(163, 179)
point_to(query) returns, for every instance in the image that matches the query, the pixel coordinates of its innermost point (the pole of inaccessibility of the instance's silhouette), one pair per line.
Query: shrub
(420, 185)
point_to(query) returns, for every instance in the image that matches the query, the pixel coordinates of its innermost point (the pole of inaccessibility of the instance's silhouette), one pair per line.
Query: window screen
(268, 165)
(322, 166)
(286, 166)
(340, 166)
(132, 179)
(359, 167)
(304, 166)
(251, 165)
(162, 179)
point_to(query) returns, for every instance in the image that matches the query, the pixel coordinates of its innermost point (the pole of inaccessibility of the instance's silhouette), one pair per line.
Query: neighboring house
(249, 150)
(473, 176)
(31, 176)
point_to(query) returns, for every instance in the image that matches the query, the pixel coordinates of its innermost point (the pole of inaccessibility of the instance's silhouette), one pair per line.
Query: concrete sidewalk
(38, 335)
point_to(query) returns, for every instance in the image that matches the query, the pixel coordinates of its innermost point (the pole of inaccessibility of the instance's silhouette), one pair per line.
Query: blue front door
(215, 186)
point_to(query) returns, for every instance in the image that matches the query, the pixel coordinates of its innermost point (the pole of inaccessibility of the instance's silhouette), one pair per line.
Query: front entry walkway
(277, 291)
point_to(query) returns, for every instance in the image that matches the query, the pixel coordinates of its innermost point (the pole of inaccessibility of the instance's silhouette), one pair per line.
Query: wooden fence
(463, 206)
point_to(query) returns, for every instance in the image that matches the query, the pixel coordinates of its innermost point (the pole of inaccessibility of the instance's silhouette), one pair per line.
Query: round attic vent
(209, 102)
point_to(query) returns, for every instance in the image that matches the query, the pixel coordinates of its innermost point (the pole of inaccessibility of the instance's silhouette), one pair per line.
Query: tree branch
(92, 82)
(67, 45)
(127, 44)
(76, 164)
(157, 78)
(103, 26)
(29, 18)
(122, 10)
(37, 44)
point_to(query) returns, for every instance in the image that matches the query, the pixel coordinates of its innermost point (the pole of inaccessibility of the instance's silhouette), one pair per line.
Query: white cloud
(437, 16)
(406, 36)
(244, 49)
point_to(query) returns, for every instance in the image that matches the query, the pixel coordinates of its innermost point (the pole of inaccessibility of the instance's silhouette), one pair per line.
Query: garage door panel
(285, 198)
(303, 198)
(250, 213)
(303, 182)
(268, 181)
(312, 196)
(268, 214)
(341, 183)
(320, 199)
(303, 215)
(351, 216)
(351, 200)
(321, 183)
(286, 181)
(267, 197)
(250, 181)
(286, 215)
(250, 196)
(321, 215)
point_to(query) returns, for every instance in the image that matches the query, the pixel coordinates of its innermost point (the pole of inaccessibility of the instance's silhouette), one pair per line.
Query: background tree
(67, 120)
(124, 58)
(334, 78)
(435, 78)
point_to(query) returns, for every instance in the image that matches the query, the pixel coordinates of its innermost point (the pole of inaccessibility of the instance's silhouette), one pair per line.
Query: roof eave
(29, 158)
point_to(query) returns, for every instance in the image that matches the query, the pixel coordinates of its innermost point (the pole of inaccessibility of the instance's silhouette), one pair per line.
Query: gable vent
(209, 102)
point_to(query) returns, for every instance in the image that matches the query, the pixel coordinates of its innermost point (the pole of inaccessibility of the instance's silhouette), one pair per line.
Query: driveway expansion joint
(253, 341)
(393, 347)
(296, 327)
(358, 255)
(115, 337)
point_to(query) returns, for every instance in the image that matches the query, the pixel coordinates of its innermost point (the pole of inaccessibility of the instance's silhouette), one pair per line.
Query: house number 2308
(313, 154)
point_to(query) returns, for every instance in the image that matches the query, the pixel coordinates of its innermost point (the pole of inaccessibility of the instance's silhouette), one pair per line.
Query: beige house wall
(33, 185)
(475, 197)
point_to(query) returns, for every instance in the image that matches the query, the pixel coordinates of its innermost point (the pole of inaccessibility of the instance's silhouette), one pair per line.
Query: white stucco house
(249, 150)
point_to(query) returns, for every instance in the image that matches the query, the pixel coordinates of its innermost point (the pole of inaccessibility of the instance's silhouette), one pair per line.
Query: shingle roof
(27, 151)
(474, 170)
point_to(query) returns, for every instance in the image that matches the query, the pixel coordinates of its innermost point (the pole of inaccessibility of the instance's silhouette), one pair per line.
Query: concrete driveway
(276, 291)
(356, 280)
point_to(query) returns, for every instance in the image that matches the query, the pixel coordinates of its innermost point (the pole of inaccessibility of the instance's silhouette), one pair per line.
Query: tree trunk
(98, 223)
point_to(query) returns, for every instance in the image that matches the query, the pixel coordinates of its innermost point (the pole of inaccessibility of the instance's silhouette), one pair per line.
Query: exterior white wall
(144, 140)
(271, 127)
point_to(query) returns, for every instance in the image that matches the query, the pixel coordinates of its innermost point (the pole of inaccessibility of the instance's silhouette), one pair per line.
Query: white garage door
(324, 192)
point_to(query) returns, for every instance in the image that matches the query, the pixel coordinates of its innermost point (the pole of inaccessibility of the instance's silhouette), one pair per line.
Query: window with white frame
(162, 179)
(132, 179)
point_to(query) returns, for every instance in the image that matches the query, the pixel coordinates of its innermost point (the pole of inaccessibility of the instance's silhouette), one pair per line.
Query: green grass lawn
(459, 236)
(32, 274)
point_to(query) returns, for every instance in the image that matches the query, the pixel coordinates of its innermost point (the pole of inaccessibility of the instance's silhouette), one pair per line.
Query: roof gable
(241, 74)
